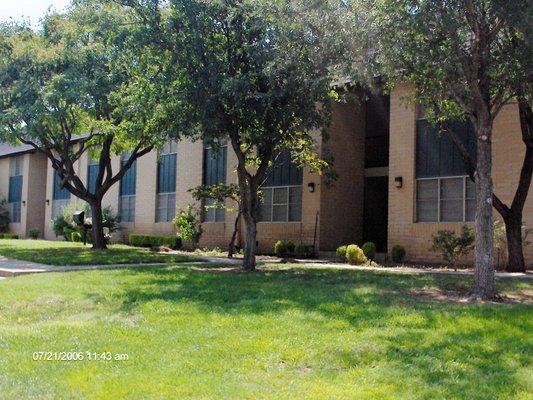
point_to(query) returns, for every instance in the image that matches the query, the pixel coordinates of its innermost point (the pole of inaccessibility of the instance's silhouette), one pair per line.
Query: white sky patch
(28, 9)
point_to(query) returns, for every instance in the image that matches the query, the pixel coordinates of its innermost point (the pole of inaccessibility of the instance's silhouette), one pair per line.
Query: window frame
(288, 204)
(439, 180)
(169, 149)
(16, 169)
(130, 196)
(218, 214)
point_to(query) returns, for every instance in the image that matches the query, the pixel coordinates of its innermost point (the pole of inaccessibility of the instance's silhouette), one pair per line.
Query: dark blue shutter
(92, 175)
(166, 174)
(436, 154)
(15, 189)
(215, 165)
(59, 192)
(127, 183)
(284, 172)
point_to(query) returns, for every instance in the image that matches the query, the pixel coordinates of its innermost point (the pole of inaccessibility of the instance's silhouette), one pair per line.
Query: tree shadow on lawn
(445, 344)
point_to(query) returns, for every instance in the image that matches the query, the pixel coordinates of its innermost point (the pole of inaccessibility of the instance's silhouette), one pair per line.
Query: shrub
(174, 242)
(34, 233)
(4, 215)
(189, 225)
(280, 249)
(341, 253)
(290, 248)
(398, 253)
(355, 255)
(8, 236)
(303, 250)
(76, 237)
(369, 248)
(453, 246)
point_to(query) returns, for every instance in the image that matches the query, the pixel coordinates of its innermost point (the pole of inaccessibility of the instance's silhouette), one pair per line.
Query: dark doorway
(375, 213)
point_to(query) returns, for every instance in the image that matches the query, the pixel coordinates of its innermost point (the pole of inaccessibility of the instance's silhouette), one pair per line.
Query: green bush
(284, 249)
(189, 224)
(341, 253)
(76, 237)
(303, 250)
(355, 255)
(398, 253)
(34, 233)
(8, 236)
(174, 242)
(369, 248)
(453, 246)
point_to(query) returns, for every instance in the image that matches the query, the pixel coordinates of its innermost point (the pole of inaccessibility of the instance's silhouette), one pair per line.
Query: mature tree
(256, 75)
(455, 53)
(84, 84)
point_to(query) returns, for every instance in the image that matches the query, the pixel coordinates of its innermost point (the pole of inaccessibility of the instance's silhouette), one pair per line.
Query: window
(60, 196)
(215, 161)
(444, 192)
(282, 192)
(15, 189)
(93, 168)
(128, 191)
(166, 183)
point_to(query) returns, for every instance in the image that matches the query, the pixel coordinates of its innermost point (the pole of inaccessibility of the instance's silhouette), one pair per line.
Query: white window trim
(288, 187)
(439, 179)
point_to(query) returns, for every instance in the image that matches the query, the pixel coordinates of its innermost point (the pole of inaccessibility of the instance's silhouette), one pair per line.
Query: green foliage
(189, 224)
(355, 255)
(340, 253)
(303, 251)
(4, 215)
(34, 233)
(76, 237)
(173, 242)
(453, 246)
(369, 248)
(8, 236)
(284, 249)
(398, 253)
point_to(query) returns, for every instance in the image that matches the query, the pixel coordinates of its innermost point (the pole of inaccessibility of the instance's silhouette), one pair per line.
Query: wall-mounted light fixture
(47, 202)
(398, 182)
(311, 187)
(23, 203)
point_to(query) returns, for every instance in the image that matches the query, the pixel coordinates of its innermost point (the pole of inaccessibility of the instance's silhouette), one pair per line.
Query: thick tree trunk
(250, 241)
(484, 268)
(99, 242)
(515, 252)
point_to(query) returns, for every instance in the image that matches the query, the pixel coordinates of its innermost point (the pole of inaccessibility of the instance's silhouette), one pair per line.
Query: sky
(32, 9)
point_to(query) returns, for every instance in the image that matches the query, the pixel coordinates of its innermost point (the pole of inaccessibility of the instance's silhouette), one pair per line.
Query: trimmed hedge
(398, 253)
(8, 236)
(174, 242)
(355, 255)
(369, 248)
(340, 253)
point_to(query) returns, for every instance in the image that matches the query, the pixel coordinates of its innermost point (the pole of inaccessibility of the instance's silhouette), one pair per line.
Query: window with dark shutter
(214, 172)
(166, 183)
(127, 191)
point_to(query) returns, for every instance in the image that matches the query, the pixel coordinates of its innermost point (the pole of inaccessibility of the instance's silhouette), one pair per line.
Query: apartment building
(395, 182)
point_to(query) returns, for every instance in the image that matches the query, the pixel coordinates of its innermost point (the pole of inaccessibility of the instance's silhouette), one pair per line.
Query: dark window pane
(166, 174)
(92, 174)
(128, 181)
(59, 192)
(279, 213)
(15, 189)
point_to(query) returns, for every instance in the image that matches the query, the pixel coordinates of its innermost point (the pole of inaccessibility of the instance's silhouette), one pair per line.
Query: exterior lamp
(311, 187)
(398, 182)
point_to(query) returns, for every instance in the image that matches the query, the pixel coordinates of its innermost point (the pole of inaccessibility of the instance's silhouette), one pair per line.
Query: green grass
(69, 253)
(298, 334)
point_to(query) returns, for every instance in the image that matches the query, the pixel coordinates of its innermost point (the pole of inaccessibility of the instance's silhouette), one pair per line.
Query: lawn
(296, 333)
(69, 253)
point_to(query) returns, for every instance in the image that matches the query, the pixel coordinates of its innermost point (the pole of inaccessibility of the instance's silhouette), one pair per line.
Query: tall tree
(256, 75)
(85, 83)
(454, 53)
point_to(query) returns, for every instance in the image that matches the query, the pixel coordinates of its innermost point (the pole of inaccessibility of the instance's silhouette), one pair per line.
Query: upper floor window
(127, 191)
(60, 196)
(215, 161)
(444, 192)
(282, 191)
(93, 168)
(166, 183)
(15, 189)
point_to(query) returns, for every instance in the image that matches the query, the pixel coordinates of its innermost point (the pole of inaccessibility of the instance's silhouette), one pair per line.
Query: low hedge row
(174, 242)
(8, 236)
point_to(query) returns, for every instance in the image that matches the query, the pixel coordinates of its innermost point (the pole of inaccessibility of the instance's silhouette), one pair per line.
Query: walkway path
(11, 268)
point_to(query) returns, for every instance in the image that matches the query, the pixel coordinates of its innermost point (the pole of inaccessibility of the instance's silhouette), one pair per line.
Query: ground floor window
(127, 208)
(15, 213)
(445, 199)
(212, 213)
(281, 204)
(166, 207)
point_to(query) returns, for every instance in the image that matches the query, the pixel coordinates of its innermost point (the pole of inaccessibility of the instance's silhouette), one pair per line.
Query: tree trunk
(484, 268)
(99, 241)
(231, 247)
(515, 252)
(250, 241)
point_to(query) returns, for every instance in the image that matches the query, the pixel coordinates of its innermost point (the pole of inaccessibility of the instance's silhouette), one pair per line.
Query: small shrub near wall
(284, 249)
(34, 233)
(355, 255)
(8, 236)
(369, 248)
(174, 242)
(341, 253)
(398, 253)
